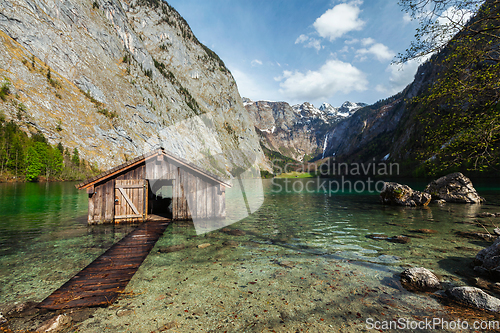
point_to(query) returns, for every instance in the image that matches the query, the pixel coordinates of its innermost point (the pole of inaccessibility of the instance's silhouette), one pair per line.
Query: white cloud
(407, 18)
(400, 77)
(454, 19)
(301, 39)
(379, 50)
(309, 42)
(367, 41)
(339, 20)
(249, 87)
(256, 62)
(333, 77)
(345, 49)
(352, 41)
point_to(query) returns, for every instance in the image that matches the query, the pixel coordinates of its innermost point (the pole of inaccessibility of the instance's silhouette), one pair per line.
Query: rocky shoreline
(455, 188)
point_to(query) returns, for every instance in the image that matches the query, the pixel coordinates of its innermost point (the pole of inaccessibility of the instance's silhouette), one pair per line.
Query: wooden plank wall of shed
(206, 198)
(137, 197)
(102, 202)
(194, 196)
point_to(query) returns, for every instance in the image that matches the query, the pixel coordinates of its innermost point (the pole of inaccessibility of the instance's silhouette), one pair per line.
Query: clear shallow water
(305, 262)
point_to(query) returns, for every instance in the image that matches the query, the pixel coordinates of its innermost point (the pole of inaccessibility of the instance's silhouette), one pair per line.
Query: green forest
(32, 158)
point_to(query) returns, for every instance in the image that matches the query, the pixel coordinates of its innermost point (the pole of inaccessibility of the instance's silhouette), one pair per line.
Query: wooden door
(130, 199)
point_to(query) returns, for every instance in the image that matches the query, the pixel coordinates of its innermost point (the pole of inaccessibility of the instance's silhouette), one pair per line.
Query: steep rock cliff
(114, 78)
(381, 130)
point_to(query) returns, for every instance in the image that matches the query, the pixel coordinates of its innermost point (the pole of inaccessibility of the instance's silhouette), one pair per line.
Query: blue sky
(315, 50)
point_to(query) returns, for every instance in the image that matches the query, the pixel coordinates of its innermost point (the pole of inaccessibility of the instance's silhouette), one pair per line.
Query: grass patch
(4, 90)
(295, 174)
(106, 113)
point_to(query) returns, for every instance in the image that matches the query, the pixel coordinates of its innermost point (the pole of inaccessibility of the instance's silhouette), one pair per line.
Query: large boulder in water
(419, 279)
(403, 195)
(487, 261)
(454, 187)
(474, 297)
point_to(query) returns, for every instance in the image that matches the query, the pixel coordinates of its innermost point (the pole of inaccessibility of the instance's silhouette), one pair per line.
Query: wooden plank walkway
(102, 281)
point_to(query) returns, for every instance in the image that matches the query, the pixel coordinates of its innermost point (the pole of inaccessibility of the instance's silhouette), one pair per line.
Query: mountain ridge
(114, 78)
(295, 131)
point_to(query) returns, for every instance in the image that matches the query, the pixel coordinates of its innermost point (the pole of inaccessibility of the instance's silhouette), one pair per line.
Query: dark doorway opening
(160, 196)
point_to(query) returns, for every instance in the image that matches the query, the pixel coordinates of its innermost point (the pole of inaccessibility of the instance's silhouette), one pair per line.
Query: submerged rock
(286, 263)
(487, 261)
(2, 318)
(55, 324)
(486, 284)
(419, 279)
(425, 231)
(172, 248)
(233, 232)
(399, 239)
(454, 187)
(169, 325)
(378, 236)
(25, 308)
(230, 243)
(476, 235)
(403, 195)
(204, 245)
(486, 214)
(474, 297)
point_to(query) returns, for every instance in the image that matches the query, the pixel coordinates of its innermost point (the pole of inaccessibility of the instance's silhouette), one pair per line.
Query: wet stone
(486, 214)
(233, 232)
(231, 243)
(378, 236)
(204, 245)
(419, 279)
(399, 239)
(487, 261)
(454, 187)
(79, 315)
(474, 297)
(173, 248)
(170, 325)
(425, 231)
(24, 308)
(55, 324)
(124, 312)
(286, 263)
(476, 235)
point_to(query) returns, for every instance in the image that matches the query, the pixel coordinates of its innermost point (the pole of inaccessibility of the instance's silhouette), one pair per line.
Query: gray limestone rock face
(420, 279)
(136, 60)
(403, 195)
(454, 187)
(474, 297)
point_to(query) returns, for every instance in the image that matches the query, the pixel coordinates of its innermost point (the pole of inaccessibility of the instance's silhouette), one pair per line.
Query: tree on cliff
(460, 111)
(440, 20)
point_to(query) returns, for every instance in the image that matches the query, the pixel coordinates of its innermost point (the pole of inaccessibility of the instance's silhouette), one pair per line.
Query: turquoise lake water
(305, 262)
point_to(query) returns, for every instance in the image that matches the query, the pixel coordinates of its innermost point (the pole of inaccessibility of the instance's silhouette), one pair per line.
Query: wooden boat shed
(156, 185)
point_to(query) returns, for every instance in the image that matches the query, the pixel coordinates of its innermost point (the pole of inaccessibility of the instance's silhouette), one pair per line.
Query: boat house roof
(147, 156)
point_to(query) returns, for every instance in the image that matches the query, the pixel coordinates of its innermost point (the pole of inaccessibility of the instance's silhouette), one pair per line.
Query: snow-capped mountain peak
(350, 107)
